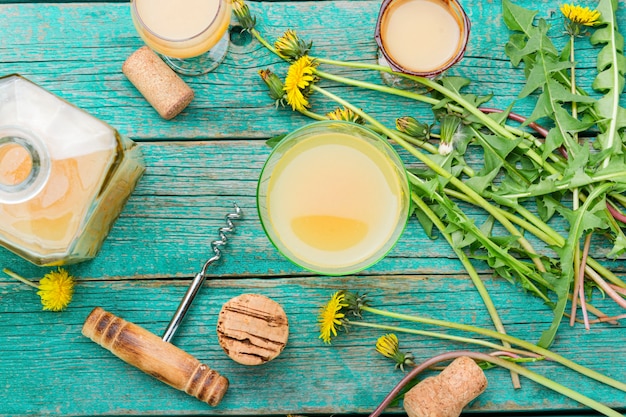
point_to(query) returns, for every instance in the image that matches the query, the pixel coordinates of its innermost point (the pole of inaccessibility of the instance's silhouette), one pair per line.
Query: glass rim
(399, 226)
(465, 32)
(135, 12)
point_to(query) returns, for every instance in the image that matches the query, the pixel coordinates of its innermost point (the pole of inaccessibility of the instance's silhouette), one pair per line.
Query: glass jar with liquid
(420, 37)
(64, 175)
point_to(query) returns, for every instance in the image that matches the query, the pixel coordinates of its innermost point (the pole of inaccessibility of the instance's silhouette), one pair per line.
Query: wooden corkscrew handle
(146, 351)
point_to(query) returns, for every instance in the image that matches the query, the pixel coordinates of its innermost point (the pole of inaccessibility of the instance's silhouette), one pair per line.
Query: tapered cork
(157, 82)
(252, 329)
(446, 394)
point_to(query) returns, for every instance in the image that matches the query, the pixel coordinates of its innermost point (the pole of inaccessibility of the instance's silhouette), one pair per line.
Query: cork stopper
(446, 394)
(157, 82)
(252, 329)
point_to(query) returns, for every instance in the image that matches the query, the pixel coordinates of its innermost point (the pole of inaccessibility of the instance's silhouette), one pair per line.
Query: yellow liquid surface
(50, 221)
(182, 28)
(15, 164)
(334, 200)
(420, 35)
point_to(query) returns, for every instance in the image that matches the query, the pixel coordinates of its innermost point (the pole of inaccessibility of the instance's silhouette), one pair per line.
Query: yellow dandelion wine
(299, 78)
(331, 316)
(580, 15)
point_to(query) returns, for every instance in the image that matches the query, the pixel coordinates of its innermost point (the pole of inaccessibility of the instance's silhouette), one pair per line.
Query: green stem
(504, 131)
(567, 186)
(19, 278)
(546, 235)
(525, 272)
(436, 335)
(506, 338)
(548, 383)
(263, 42)
(478, 283)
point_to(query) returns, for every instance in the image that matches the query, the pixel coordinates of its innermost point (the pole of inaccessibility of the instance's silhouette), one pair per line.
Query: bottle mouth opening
(24, 165)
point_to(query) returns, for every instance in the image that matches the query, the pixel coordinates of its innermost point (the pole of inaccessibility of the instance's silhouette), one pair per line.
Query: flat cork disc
(252, 329)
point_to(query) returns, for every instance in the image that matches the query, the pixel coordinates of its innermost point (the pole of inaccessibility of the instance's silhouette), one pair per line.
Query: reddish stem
(518, 118)
(618, 289)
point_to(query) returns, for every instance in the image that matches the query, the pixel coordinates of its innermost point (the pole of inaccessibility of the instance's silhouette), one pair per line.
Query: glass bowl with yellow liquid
(333, 197)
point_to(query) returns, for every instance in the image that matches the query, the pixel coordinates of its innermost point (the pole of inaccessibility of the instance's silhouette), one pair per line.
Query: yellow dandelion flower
(331, 316)
(56, 289)
(345, 114)
(387, 345)
(299, 79)
(580, 15)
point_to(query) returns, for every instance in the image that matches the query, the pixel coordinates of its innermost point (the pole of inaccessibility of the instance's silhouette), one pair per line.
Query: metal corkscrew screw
(198, 280)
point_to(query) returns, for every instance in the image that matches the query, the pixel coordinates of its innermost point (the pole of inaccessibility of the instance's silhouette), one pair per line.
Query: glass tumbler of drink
(333, 197)
(190, 35)
(420, 37)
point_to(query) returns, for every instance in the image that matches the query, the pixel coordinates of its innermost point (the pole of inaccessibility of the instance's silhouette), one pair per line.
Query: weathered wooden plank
(167, 225)
(53, 370)
(232, 101)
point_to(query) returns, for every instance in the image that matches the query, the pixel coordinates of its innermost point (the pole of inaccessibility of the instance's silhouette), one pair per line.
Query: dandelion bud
(412, 127)
(291, 47)
(275, 85)
(242, 13)
(388, 346)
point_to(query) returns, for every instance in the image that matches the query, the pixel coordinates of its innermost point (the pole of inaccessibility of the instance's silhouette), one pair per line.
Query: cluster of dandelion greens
(574, 168)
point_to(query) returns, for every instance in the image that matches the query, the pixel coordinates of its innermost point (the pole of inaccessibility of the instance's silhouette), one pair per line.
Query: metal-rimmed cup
(457, 15)
(333, 197)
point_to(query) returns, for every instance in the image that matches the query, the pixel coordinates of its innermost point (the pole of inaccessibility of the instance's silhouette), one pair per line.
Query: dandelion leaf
(482, 180)
(611, 65)
(619, 246)
(516, 17)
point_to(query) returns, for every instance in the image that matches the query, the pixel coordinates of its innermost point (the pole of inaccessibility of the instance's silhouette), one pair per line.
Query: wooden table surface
(210, 156)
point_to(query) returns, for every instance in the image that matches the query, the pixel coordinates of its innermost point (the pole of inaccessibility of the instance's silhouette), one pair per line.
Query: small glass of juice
(333, 197)
(190, 35)
(421, 37)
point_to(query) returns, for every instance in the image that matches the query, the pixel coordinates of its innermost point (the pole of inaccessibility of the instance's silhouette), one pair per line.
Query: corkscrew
(198, 280)
(157, 356)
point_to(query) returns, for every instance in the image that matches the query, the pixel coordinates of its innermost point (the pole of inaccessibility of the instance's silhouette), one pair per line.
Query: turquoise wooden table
(210, 156)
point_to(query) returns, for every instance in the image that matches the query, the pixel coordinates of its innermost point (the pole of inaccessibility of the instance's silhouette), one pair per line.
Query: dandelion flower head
(56, 289)
(331, 316)
(387, 345)
(290, 46)
(299, 78)
(580, 15)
